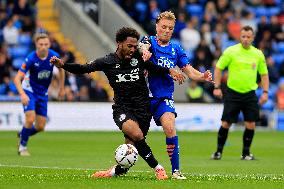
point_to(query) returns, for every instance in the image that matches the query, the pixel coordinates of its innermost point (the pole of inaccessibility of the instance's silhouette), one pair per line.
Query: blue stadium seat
(258, 92)
(280, 121)
(278, 59)
(268, 106)
(2, 89)
(280, 47)
(272, 90)
(228, 43)
(163, 5)
(274, 11)
(141, 7)
(261, 11)
(25, 40)
(194, 10)
(18, 51)
(17, 62)
(241, 117)
(281, 80)
(278, 2)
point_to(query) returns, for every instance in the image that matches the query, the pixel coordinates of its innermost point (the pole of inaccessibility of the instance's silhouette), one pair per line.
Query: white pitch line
(58, 168)
(138, 171)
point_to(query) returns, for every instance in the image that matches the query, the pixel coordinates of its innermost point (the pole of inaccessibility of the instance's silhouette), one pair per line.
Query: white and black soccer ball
(126, 155)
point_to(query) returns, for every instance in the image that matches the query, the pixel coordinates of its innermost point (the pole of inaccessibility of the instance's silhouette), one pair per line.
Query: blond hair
(39, 36)
(166, 15)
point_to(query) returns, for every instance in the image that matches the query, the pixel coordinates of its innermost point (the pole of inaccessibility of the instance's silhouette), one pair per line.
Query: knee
(29, 121)
(137, 136)
(250, 125)
(170, 131)
(226, 125)
(40, 128)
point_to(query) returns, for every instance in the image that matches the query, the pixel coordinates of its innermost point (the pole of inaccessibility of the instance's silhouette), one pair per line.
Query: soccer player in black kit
(131, 109)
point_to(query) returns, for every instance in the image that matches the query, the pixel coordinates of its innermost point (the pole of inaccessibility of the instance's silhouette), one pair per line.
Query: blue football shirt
(38, 72)
(170, 56)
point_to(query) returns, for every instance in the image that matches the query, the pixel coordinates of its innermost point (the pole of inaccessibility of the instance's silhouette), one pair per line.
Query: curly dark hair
(123, 33)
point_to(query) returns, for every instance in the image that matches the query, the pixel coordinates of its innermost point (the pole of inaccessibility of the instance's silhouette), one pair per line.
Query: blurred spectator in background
(10, 33)
(97, 92)
(5, 67)
(189, 36)
(180, 24)
(194, 92)
(275, 28)
(272, 70)
(280, 96)
(153, 12)
(66, 54)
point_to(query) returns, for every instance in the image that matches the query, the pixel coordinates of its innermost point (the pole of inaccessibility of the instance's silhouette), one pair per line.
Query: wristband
(265, 92)
(217, 87)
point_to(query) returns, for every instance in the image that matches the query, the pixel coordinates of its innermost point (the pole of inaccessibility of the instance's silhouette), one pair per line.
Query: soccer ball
(126, 155)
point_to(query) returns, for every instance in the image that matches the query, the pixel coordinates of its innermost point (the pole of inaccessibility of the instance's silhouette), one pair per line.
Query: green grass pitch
(66, 160)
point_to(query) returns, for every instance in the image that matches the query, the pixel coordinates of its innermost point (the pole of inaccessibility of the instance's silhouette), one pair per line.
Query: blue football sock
(33, 131)
(173, 152)
(25, 134)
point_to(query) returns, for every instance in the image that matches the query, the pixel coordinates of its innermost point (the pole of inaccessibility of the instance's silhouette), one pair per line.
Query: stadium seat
(17, 62)
(280, 47)
(280, 120)
(261, 11)
(141, 7)
(278, 59)
(272, 90)
(194, 10)
(18, 51)
(228, 43)
(25, 40)
(241, 117)
(273, 11)
(2, 89)
(268, 106)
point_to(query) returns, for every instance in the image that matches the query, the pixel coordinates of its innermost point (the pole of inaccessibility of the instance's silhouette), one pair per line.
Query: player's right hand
(56, 61)
(177, 76)
(25, 99)
(218, 93)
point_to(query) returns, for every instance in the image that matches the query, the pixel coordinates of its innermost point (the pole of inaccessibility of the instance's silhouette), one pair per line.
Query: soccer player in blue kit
(169, 55)
(32, 82)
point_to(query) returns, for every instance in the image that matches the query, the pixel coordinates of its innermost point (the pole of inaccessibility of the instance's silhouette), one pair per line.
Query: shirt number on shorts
(169, 103)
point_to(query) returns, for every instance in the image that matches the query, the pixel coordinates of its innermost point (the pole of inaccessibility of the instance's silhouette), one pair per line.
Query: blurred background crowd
(18, 24)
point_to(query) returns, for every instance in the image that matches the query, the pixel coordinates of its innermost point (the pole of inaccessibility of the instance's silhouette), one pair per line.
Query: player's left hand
(61, 94)
(263, 98)
(207, 76)
(146, 55)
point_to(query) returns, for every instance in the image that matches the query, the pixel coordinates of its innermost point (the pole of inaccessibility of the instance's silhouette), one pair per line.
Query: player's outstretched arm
(76, 68)
(196, 75)
(177, 76)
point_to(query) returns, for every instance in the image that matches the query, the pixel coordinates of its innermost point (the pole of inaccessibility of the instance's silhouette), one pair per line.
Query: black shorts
(235, 102)
(122, 114)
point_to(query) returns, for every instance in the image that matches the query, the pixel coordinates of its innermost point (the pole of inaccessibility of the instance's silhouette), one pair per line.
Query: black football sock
(146, 153)
(120, 171)
(247, 140)
(222, 137)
